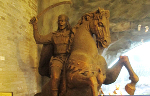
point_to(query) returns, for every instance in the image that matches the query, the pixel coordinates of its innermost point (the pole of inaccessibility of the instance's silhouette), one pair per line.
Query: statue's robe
(45, 56)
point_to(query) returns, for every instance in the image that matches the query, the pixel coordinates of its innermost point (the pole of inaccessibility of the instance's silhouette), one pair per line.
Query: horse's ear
(98, 11)
(88, 16)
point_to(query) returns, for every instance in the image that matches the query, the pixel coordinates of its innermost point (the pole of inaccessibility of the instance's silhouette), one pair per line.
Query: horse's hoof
(130, 88)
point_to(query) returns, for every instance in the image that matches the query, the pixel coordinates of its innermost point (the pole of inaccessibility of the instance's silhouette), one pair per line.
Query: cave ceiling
(125, 16)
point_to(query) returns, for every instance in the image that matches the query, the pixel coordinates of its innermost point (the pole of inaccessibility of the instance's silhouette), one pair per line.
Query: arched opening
(140, 62)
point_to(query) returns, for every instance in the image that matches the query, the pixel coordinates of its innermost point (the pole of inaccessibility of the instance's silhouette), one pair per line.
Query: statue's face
(62, 22)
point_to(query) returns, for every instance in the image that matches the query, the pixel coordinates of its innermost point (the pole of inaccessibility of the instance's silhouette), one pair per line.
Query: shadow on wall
(27, 67)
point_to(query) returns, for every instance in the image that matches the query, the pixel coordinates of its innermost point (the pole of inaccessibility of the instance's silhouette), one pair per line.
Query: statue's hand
(33, 20)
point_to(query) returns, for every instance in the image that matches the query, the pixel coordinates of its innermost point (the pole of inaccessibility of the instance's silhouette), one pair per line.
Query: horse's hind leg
(130, 88)
(79, 80)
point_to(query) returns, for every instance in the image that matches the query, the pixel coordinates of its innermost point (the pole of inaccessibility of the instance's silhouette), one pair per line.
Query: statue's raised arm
(40, 39)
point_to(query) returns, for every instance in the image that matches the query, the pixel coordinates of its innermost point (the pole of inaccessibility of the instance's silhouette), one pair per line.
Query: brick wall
(18, 51)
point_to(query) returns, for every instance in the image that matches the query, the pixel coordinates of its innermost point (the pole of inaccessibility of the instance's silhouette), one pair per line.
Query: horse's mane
(93, 16)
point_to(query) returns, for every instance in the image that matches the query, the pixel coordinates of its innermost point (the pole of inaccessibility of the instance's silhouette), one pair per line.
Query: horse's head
(99, 25)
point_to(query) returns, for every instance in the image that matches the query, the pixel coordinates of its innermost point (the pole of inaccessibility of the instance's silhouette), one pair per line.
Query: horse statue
(86, 70)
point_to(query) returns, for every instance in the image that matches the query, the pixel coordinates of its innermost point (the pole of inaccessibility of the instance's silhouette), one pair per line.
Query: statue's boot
(54, 92)
(54, 87)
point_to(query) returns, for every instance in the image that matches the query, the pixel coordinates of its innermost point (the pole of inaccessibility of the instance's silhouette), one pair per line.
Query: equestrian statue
(71, 59)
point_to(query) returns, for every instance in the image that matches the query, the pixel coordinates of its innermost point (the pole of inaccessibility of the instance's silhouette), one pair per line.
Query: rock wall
(18, 51)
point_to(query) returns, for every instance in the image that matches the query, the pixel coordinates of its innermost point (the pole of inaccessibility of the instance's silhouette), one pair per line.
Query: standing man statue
(61, 41)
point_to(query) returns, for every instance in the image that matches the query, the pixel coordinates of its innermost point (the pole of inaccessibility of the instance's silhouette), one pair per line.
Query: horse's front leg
(113, 72)
(94, 85)
(130, 88)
